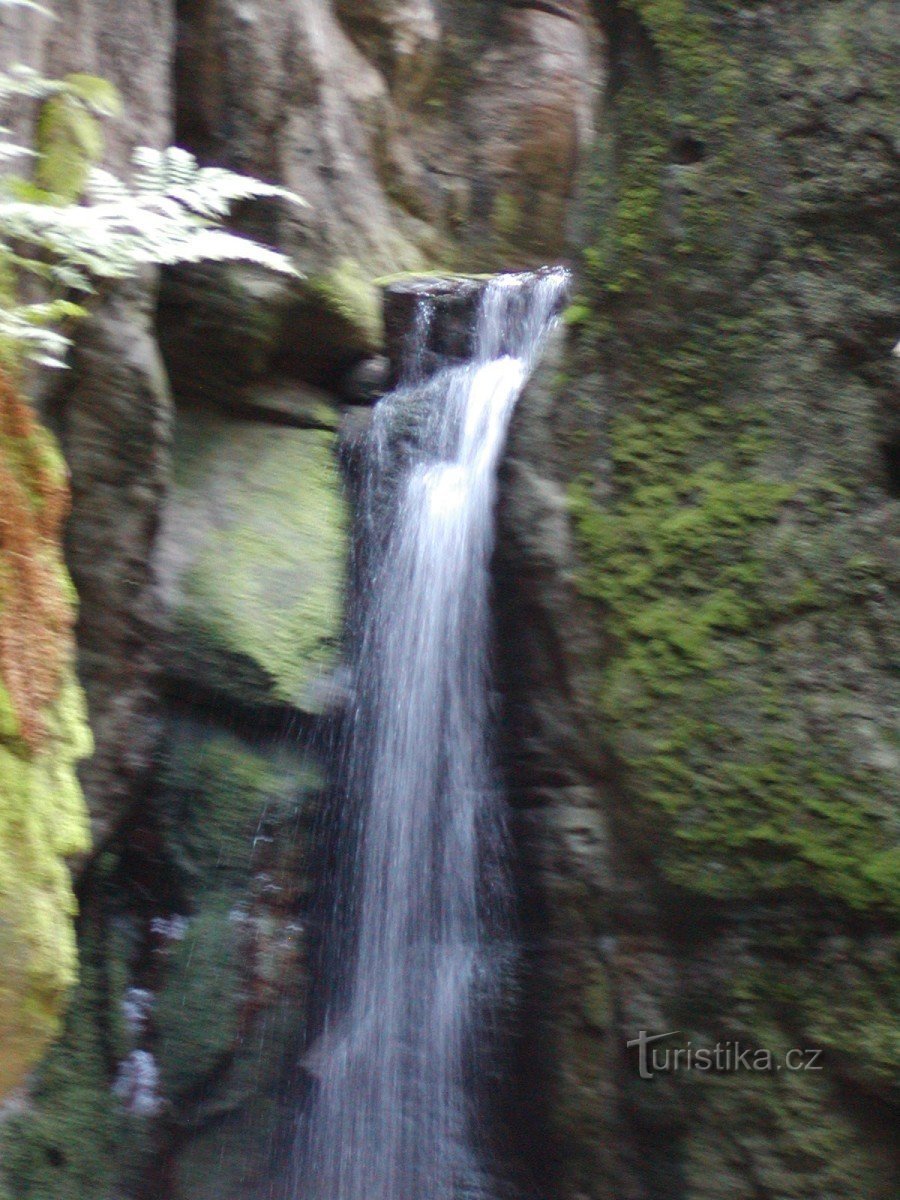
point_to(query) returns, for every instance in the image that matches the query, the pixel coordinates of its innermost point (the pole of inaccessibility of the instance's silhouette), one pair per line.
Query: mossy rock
(734, 543)
(220, 327)
(226, 826)
(199, 1011)
(215, 793)
(43, 734)
(42, 820)
(726, 430)
(348, 294)
(233, 818)
(335, 321)
(64, 1143)
(254, 554)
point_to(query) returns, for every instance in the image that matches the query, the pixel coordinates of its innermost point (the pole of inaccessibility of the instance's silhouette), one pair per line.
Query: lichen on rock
(253, 559)
(43, 733)
(722, 432)
(712, 536)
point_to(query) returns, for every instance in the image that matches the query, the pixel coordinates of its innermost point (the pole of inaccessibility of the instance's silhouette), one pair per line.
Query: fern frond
(23, 81)
(106, 188)
(9, 150)
(29, 331)
(35, 7)
(170, 212)
(175, 172)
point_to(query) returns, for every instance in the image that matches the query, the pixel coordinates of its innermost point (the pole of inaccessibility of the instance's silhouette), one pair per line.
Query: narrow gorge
(476, 651)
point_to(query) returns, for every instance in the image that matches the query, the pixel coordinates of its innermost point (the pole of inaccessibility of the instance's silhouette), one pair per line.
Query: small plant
(76, 224)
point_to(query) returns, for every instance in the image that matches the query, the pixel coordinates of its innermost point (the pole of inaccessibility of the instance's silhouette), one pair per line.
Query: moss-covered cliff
(707, 846)
(741, 316)
(725, 437)
(181, 1042)
(43, 732)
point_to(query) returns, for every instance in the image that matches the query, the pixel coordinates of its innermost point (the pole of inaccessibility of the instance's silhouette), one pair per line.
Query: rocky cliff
(699, 616)
(43, 734)
(693, 579)
(207, 534)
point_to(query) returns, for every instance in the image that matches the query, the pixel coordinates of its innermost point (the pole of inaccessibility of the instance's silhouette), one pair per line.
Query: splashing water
(424, 915)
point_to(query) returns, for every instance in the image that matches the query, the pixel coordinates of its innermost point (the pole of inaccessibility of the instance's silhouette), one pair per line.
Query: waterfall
(421, 920)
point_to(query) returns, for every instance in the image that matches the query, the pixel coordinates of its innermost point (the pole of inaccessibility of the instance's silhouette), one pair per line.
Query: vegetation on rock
(259, 603)
(735, 514)
(43, 733)
(171, 212)
(714, 531)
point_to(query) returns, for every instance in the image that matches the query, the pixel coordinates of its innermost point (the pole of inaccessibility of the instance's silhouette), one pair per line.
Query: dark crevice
(687, 150)
(890, 457)
(196, 76)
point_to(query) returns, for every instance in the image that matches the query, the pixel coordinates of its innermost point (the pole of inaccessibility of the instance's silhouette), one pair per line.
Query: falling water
(424, 914)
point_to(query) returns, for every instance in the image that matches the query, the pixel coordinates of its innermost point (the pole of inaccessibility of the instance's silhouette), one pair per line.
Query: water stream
(422, 919)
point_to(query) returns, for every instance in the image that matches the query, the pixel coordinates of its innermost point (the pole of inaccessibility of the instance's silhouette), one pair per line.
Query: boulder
(251, 558)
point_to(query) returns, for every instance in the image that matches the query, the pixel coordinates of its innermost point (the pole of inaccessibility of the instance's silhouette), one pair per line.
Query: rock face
(114, 416)
(112, 411)
(43, 733)
(209, 568)
(695, 581)
(693, 584)
(181, 1040)
(252, 578)
(376, 114)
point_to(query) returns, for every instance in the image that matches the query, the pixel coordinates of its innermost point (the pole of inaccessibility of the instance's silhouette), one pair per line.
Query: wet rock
(735, 888)
(446, 306)
(367, 382)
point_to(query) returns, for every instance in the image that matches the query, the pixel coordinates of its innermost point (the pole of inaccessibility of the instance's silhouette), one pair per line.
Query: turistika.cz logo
(723, 1057)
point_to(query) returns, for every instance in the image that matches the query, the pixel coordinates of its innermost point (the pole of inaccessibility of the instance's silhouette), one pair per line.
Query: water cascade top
(420, 923)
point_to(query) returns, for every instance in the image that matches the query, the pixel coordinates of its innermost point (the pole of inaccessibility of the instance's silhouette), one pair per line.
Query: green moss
(221, 804)
(215, 791)
(97, 94)
(682, 35)
(784, 1131)
(199, 1009)
(43, 818)
(679, 562)
(688, 92)
(728, 390)
(69, 136)
(708, 536)
(64, 1145)
(349, 294)
(10, 348)
(262, 599)
(70, 141)
(506, 215)
(597, 1002)
(844, 1000)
